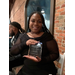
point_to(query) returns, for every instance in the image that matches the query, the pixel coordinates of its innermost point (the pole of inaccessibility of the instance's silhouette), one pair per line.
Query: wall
(17, 12)
(59, 24)
(59, 28)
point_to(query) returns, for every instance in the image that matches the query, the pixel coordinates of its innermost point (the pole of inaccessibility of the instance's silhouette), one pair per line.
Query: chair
(61, 61)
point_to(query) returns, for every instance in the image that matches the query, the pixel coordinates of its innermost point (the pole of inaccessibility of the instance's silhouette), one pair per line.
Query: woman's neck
(35, 35)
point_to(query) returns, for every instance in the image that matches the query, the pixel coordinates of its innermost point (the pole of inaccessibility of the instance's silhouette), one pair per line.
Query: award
(35, 50)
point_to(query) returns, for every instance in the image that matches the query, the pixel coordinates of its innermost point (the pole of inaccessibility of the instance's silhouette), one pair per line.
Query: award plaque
(36, 50)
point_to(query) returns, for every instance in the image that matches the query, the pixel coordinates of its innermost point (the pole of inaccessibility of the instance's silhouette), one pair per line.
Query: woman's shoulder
(28, 33)
(48, 36)
(23, 35)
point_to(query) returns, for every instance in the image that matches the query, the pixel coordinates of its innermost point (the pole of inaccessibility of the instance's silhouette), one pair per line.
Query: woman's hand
(31, 42)
(10, 37)
(36, 59)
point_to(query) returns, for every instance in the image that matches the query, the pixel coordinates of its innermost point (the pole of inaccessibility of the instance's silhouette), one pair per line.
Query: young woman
(37, 32)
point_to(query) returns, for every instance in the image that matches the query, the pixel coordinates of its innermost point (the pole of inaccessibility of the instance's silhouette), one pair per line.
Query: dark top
(16, 37)
(49, 52)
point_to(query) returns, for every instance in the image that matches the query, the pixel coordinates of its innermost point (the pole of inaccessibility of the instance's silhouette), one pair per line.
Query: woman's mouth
(35, 27)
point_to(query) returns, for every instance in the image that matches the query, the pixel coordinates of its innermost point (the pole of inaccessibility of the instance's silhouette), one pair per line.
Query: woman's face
(11, 30)
(35, 23)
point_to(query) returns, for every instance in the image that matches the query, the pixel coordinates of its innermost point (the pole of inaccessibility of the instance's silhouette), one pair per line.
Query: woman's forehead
(35, 15)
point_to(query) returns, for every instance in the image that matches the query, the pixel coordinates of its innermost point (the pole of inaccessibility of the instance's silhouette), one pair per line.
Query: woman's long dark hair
(44, 28)
(17, 25)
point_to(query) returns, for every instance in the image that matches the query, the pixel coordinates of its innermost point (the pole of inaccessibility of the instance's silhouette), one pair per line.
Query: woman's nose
(36, 23)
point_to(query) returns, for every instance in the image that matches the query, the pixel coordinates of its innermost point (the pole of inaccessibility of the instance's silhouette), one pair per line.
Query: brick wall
(59, 24)
(59, 28)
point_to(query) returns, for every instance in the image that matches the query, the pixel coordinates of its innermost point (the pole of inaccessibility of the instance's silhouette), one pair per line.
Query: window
(43, 6)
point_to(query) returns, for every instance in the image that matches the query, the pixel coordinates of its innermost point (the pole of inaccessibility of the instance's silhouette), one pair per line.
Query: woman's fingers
(31, 41)
(39, 59)
(10, 37)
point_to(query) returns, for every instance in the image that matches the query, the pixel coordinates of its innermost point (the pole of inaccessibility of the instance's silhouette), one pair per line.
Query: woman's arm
(18, 46)
(53, 51)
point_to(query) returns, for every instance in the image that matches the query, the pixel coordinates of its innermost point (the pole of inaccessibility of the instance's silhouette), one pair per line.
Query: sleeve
(18, 46)
(53, 52)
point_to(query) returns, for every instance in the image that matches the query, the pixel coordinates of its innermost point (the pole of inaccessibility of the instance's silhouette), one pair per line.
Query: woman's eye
(37, 21)
(32, 21)
(40, 21)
